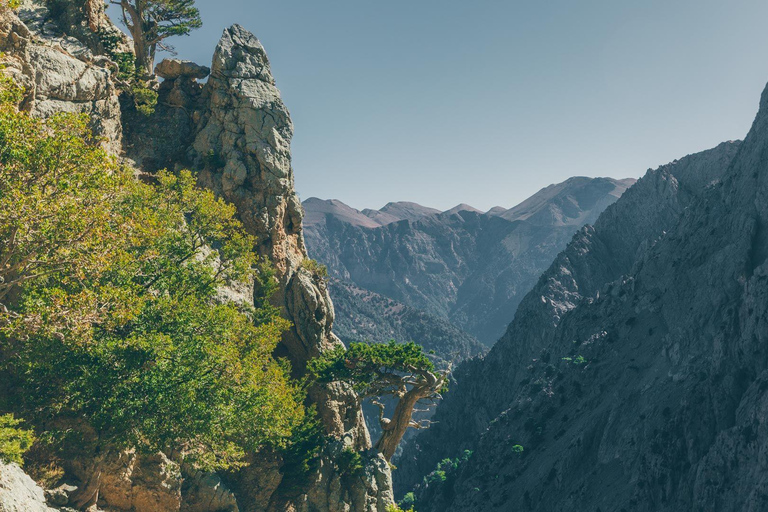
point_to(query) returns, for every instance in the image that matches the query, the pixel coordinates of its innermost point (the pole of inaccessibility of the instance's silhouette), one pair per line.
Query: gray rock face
(59, 72)
(18, 492)
(633, 372)
(242, 149)
(461, 265)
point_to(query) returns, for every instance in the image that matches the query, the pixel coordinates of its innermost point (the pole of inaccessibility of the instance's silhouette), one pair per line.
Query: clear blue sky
(485, 102)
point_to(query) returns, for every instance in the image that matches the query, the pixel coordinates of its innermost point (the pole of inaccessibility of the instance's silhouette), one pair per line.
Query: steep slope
(462, 265)
(362, 315)
(633, 374)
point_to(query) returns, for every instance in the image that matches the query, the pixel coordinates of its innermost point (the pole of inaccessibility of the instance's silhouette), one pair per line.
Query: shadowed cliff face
(632, 373)
(462, 265)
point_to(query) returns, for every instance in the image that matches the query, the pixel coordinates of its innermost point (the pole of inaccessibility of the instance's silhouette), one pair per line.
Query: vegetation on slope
(112, 308)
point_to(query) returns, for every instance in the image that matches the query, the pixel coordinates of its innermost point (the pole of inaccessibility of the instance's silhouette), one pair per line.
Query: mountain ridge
(468, 267)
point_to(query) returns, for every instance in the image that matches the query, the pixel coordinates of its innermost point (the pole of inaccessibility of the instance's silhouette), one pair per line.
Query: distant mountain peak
(463, 207)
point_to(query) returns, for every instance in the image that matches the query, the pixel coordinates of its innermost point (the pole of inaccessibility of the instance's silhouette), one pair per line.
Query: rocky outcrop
(242, 150)
(59, 72)
(172, 69)
(18, 492)
(462, 265)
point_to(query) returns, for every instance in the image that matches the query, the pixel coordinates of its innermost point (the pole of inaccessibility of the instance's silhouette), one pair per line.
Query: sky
(485, 102)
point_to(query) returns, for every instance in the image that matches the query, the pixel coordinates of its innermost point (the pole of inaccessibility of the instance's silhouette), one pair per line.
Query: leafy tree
(112, 303)
(150, 22)
(402, 371)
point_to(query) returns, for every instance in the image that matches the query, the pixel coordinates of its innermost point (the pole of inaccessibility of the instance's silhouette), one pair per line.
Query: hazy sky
(485, 102)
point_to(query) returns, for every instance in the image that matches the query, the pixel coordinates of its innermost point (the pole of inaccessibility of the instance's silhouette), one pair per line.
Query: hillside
(467, 267)
(362, 315)
(630, 376)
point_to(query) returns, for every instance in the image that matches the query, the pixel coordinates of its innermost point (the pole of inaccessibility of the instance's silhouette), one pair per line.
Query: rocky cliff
(631, 377)
(462, 265)
(235, 131)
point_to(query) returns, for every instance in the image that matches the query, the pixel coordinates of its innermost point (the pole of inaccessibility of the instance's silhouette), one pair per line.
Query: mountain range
(462, 265)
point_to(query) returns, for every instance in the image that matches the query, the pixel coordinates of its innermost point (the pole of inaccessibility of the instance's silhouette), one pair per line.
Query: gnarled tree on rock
(150, 22)
(401, 371)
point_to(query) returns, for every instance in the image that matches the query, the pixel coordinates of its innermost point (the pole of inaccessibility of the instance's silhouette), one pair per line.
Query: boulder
(171, 69)
(18, 492)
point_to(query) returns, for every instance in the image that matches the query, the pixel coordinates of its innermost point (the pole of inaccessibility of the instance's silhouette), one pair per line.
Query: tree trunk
(144, 64)
(394, 431)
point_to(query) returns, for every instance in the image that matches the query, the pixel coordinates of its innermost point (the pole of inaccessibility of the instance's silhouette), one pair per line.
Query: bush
(317, 270)
(14, 441)
(408, 501)
(111, 305)
(349, 463)
(144, 98)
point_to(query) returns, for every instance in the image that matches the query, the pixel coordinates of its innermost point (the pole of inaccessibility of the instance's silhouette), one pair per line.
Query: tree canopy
(114, 305)
(150, 22)
(399, 370)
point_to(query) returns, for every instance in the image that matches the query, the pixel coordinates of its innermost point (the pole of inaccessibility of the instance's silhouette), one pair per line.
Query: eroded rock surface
(59, 72)
(19, 493)
(242, 149)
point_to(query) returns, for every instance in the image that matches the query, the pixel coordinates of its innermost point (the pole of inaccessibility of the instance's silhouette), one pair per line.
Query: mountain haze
(462, 265)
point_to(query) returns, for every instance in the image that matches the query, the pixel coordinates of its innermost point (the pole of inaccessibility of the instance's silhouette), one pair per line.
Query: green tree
(113, 302)
(401, 371)
(150, 22)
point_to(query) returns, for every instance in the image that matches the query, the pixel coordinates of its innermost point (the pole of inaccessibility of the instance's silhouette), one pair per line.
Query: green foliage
(126, 62)
(111, 310)
(364, 365)
(300, 455)
(144, 98)
(437, 476)
(396, 508)
(14, 441)
(518, 449)
(408, 501)
(172, 17)
(317, 270)
(126, 65)
(150, 22)
(12, 4)
(349, 463)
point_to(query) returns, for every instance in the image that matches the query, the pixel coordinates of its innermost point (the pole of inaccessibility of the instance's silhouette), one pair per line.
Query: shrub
(315, 268)
(349, 463)
(111, 305)
(408, 501)
(144, 98)
(14, 440)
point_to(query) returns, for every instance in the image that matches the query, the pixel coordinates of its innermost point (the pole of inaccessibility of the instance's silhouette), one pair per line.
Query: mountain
(633, 374)
(464, 266)
(365, 316)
